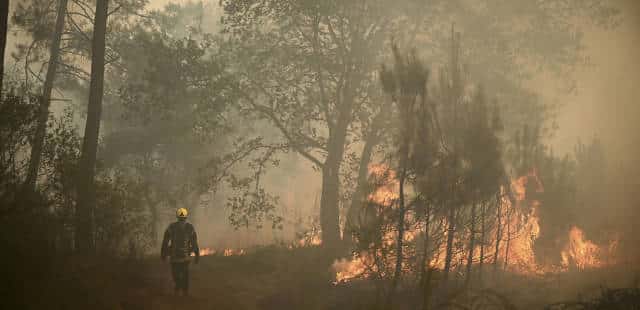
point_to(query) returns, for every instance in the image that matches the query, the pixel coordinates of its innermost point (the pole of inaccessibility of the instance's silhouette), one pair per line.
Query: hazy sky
(604, 104)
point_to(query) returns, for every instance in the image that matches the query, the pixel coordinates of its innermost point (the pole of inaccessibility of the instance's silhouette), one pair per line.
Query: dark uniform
(180, 240)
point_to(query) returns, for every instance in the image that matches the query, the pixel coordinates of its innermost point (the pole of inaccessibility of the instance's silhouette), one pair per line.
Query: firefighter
(180, 240)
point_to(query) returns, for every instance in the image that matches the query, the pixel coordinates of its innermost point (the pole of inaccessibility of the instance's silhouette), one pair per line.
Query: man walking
(180, 240)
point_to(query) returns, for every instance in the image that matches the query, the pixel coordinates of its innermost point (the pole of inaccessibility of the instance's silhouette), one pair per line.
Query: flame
(358, 266)
(582, 253)
(312, 240)
(387, 190)
(519, 224)
(207, 251)
(225, 252)
(522, 225)
(233, 252)
(438, 259)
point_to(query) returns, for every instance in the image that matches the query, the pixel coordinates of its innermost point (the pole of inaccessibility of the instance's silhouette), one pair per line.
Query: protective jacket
(180, 240)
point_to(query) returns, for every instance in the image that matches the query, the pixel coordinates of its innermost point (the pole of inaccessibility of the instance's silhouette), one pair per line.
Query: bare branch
(77, 71)
(269, 113)
(115, 10)
(75, 25)
(85, 9)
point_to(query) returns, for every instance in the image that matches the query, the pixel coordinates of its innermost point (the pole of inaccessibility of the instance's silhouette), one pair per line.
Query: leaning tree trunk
(353, 214)
(4, 18)
(86, 186)
(370, 141)
(45, 100)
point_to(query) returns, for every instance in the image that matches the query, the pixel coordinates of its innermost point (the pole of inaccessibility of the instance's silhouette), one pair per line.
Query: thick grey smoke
(605, 103)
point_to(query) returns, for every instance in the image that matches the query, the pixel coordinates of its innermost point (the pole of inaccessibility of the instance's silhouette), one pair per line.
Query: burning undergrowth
(504, 240)
(221, 252)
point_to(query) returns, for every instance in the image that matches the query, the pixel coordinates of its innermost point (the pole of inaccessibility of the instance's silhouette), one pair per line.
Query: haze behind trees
(271, 119)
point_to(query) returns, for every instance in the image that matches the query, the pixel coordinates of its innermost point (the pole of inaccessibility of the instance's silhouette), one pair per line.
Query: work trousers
(180, 273)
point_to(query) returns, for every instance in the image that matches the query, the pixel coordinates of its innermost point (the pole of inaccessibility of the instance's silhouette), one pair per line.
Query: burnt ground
(265, 279)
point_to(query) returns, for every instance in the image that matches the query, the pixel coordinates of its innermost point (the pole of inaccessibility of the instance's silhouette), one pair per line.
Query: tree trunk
(454, 94)
(472, 241)
(506, 250)
(400, 227)
(4, 18)
(330, 198)
(358, 198)
(371, 140)
(483, 213)
(498, 238)
(45, 100)
(153, 209)
(329, 202)
(425, 274)
(450, 235)
(86, 185)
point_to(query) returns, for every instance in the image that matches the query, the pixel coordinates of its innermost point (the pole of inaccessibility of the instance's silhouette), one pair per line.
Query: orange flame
(387, 191)
(582, 253)
(207, 251)
(225, 252)
(358, 266)
(313, 240)
(233, 252)
(520, 228)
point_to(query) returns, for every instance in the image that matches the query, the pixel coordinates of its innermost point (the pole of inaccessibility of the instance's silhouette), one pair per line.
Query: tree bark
(153, 209)
(371, 140)
(451, 228)
(400, 227)
(425, 274)
(86, 185)
(454, 93)
(45, 100)
(4, 18)
(498, 238)
(506, 250)
(329, 200)
(359, 194)
(483, 213)
(472, 241)
(406, 133)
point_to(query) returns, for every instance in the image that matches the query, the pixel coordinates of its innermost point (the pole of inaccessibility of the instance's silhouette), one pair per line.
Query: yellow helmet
(182, 213)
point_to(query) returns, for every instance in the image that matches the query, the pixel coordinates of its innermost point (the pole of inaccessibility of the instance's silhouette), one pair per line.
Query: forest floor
(273, 278)
(269, 278)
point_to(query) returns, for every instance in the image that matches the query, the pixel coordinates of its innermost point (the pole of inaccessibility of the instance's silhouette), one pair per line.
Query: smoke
(605, 103)
(606, 106)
